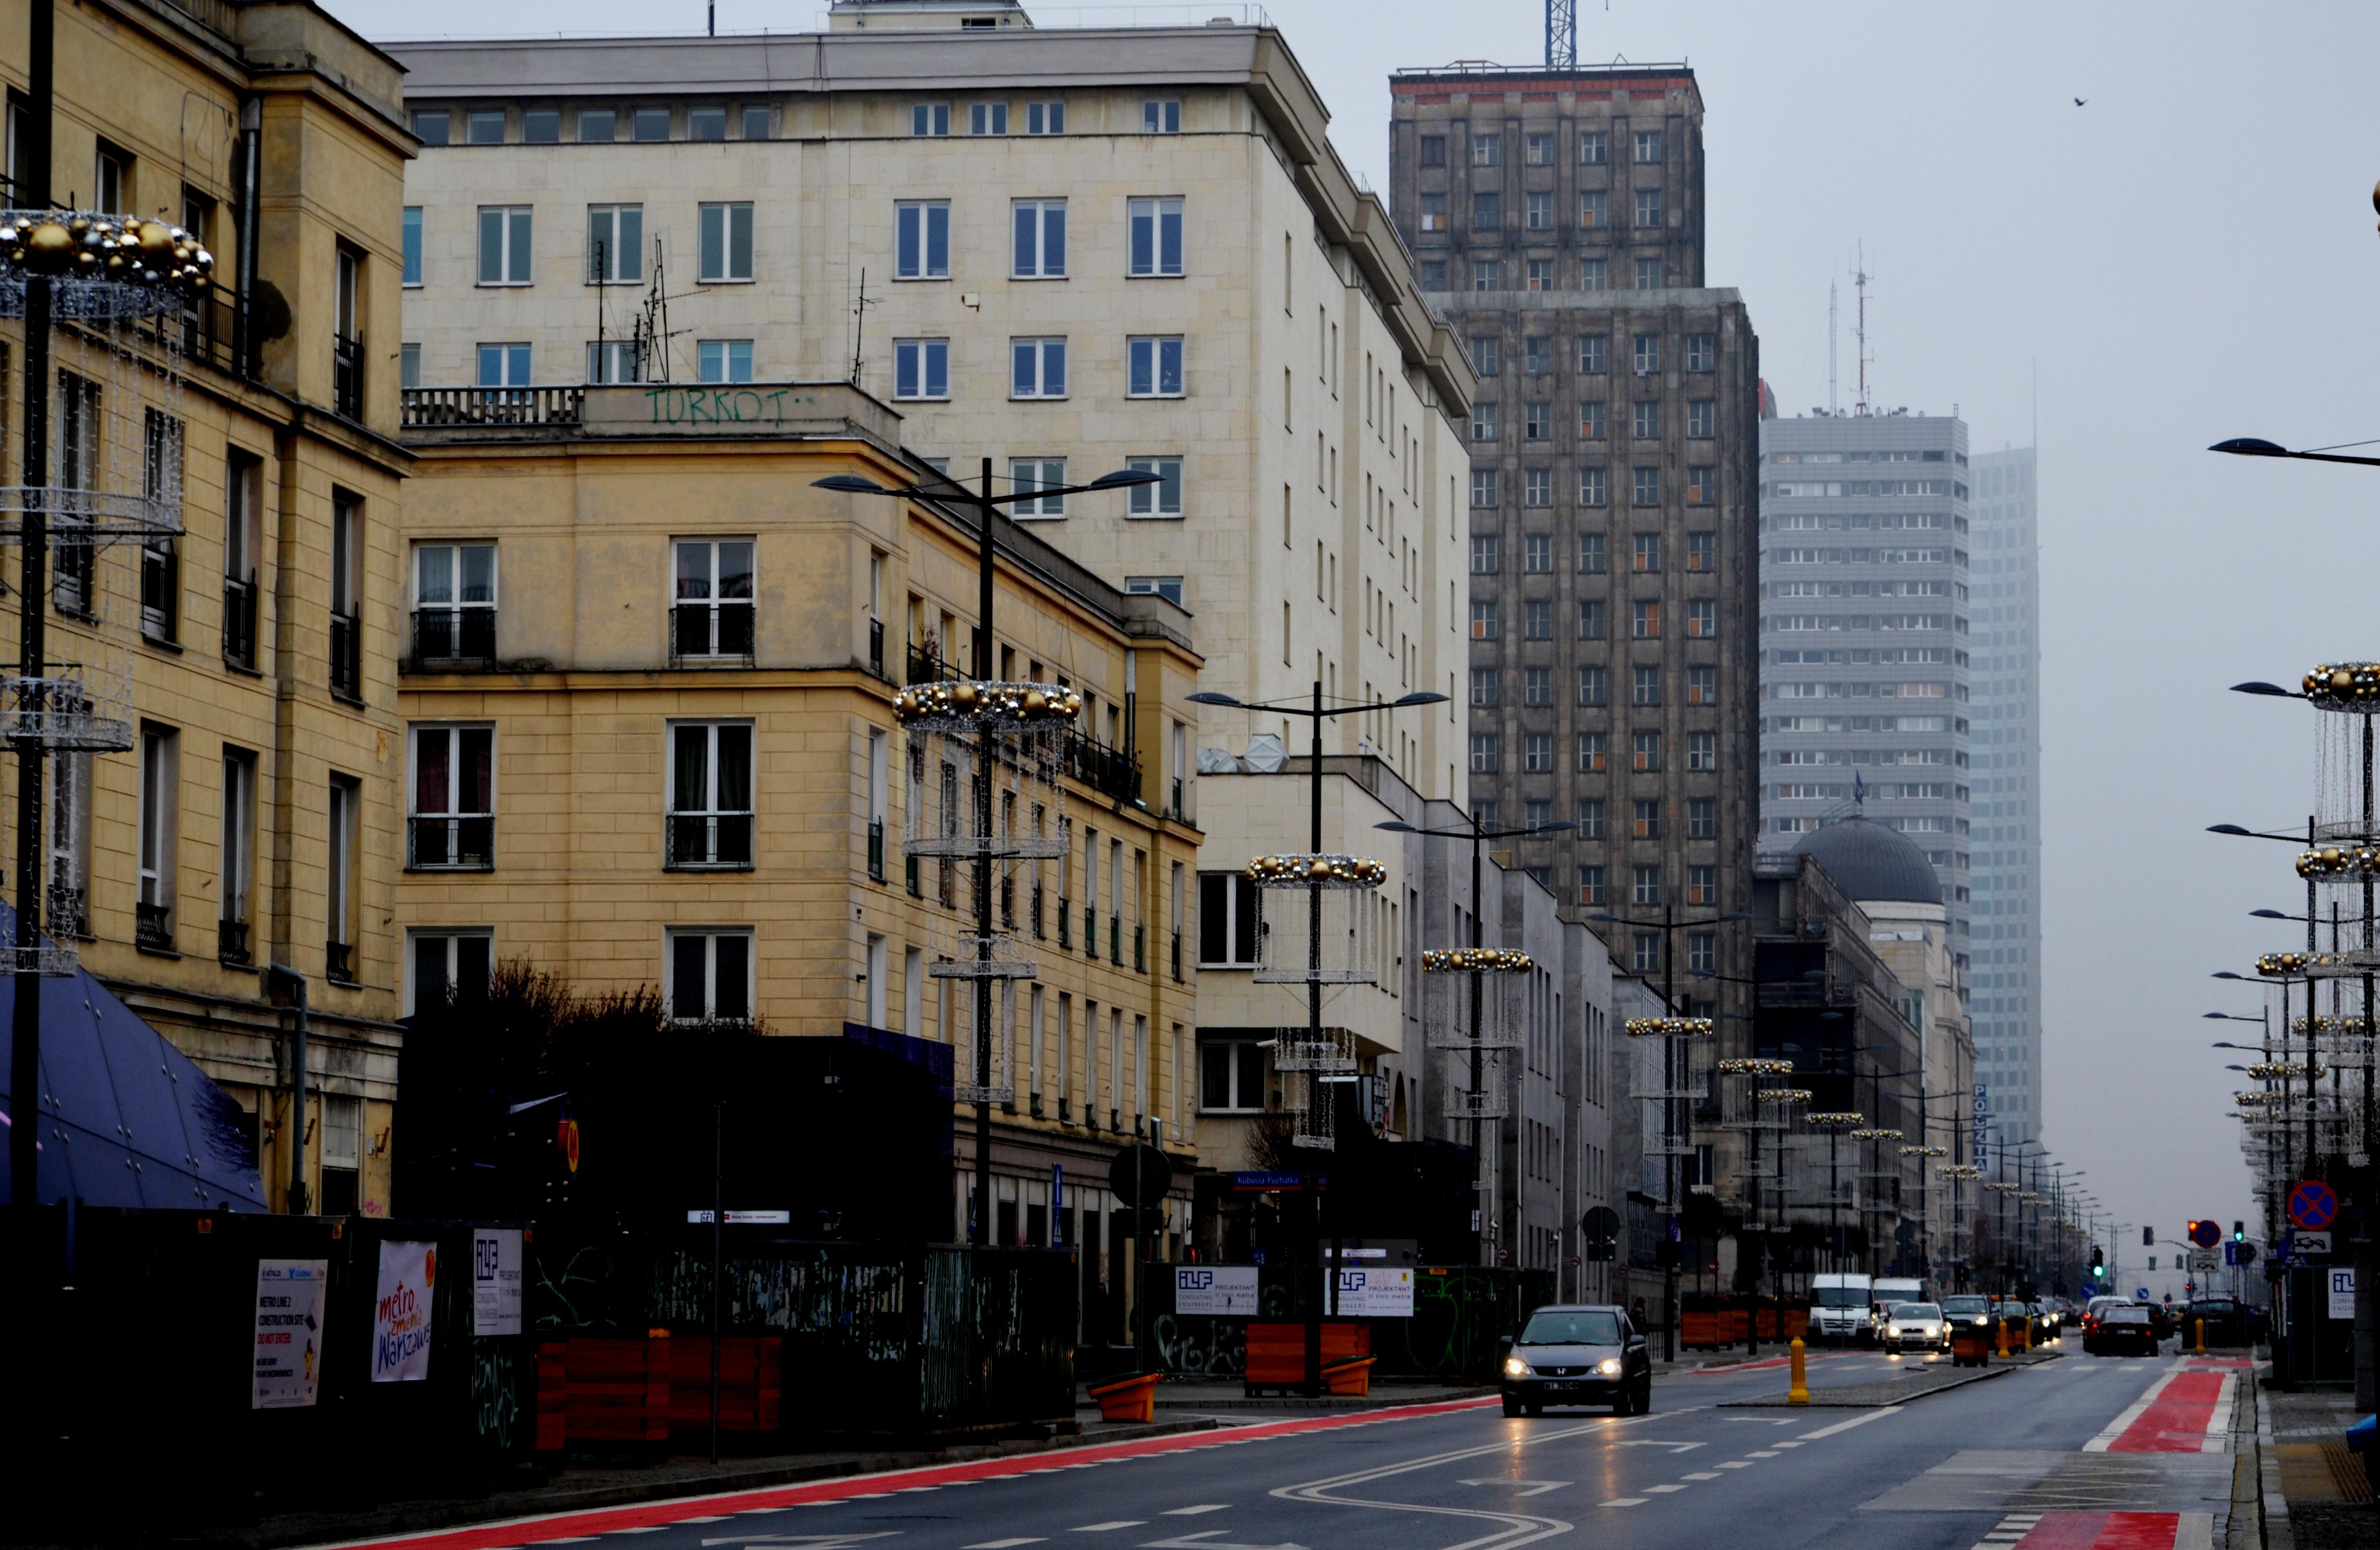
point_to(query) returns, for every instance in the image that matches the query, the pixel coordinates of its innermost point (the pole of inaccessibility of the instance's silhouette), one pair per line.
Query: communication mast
(1562, 34)
(1859, 279)
(1831, 335)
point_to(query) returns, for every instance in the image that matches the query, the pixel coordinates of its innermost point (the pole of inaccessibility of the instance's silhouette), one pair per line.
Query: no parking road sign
(2312, 1206)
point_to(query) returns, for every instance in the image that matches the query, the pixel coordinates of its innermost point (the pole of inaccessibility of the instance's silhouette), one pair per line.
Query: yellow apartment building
(255, 820)
(650, 740)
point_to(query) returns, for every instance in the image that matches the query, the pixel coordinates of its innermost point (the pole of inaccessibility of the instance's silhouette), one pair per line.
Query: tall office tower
(1556, 216)
(2007, 716)
(1864, 562)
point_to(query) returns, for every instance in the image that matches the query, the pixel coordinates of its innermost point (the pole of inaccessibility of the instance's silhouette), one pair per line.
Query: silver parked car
(1578, 1355)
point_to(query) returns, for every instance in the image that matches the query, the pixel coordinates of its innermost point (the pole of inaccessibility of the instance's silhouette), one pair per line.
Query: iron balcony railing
(710, 632)
(495, 407)
(452, 840)
(1110, 772)
(1140, 950)
(231, 941)
(876, 646)
(153, 926)
(339, 961)
(926, 665)
(239, 620)
(348, 376)
(719, 841)
(348, 655)
(1115, 939)
(876, 849)
(1065, 922)
(1177, 956)
(453, 634)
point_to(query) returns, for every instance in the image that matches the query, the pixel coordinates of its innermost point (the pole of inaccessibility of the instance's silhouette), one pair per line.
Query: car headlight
(1515, 1368)
(1609, 1366)
(1892, 1330)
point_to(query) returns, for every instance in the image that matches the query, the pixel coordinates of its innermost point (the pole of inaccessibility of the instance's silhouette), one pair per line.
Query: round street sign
(2312, 1206)
(1600, 1225)
(2205, 1234)
(1140, 1175)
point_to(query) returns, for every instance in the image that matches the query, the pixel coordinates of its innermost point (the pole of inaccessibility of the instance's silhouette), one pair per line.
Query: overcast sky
(2189, 255)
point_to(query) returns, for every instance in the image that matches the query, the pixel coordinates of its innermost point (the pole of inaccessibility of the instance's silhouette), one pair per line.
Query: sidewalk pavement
(2316, 1495)
(612, 1485)
(1221, 1395)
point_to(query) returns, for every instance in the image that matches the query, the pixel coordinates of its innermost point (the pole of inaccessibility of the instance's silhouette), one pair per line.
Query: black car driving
(1578, 1355)
(2124, 1328)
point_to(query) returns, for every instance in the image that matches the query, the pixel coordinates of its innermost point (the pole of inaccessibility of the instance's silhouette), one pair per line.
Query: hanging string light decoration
(102, 267)
(1476, 996)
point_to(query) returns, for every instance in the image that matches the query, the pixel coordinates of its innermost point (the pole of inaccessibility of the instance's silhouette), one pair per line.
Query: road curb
(1819, 1402)
(421, 1517)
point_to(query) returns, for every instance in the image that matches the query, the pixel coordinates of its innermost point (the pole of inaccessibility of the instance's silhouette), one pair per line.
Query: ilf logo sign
(400, 1349)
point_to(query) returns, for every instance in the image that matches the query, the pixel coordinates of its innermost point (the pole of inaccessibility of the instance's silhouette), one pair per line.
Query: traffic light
(2098, 1262)
(2239, 1232)
(2148, 1238)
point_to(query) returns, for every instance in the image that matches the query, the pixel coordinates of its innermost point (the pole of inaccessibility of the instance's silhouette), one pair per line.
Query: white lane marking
(1847, 1426)
(1008, 1544)
(1649, 1442)
(2219, 1425)
(1107, 1526)
(1761, 1453)
(1207, 1541)
(1702, 1474)
(2132, 1412)
(1194, 1511)
(1626, 1501)
(1664, 1489)
(1785, 1444)
(1732, 1464)
(2195, 1532)
(1536, 1487)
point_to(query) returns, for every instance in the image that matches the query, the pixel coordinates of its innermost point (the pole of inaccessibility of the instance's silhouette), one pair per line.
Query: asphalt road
(2021, 1459)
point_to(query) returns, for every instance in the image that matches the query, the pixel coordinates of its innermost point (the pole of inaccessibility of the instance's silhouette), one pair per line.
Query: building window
(161, 566)
(1701, 551)
(1538, 151)
(725, 244)
(615, 243)
(1487, 213)
(1594, 148)
(1702, 885)
(756, 118)
(455, 602)
(1649, 274)
(1228, 920)
(409, 366)
(1702, 418)
(1645, 624)
(1036, 368)
(711, 614)
(1483, 619)
(1486, 150)
(1155, 367)
(707, 123)
(1590, 822)
(69, 851)
(1537, 554)
(346, 596)
(1161, 498)
(1483, 421)
(1702, 686)
(412, 245)
(503, 365)
(1038, 239)
(1702, 947)
(344, 813)
(1591, 554)
(1594, 274)
(113, 174)
(1537, 487)
(608, 360)
(1154, 228)
(921, 368)
(1538, 422)
(1486, 553)
(1646, 349)
(1483, 488)
(1594, 686)
(1484, 683)
(725, 361)
(1702, 485)
(987, 119)
(1591, 619)
(1028, 474)
(238, 864)
(1166, 587)
(1594, 209)
(1647, 423)
(1433, 213)
(1433, 274)
(1537, 619)
(710, 976)
(157, 841)
(1646, 560)
(1645, 488)
(448, 966)
(1646, 687)
(1645, 821)
(710, 814)
(1537, 355)
(432, 126)
(1539, 216)
(1045, 118)
(1702, 751)
(1702, 818)
(1538, 752)
(1485, 749)
(1231, 1078)
(1433, 150)
(1590, 420)
(1644, 885)
(598, 125)
(1645, 957)
(929, 118)
(922, 240)
(1648, 147)
(1592, 491)
(1591, 889)
(1644, 750)
(1702, 618)
(1592, 351)
(1536, 686)
(505, 246)
(1591, 755)
(1701, 352)
(1648, 213)
(649, 125)
(453, 812)
(1486, 275)
(1161, 117)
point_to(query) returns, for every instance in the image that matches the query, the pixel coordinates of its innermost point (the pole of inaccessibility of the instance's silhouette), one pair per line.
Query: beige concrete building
(255, 819)
(629, 783)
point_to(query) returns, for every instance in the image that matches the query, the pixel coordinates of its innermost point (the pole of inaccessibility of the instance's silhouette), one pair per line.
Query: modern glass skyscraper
(1865, 635)
(2005, 1000)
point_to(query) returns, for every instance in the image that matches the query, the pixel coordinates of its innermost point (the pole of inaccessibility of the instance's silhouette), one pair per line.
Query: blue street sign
(1248, 1178)
(2142, 1295)
(2312, 1206)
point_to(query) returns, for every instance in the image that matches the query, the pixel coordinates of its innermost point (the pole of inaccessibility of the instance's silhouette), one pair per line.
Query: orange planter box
(1349, 1376)
(1277, 1351)
(750, 1394)
(1130, 1397)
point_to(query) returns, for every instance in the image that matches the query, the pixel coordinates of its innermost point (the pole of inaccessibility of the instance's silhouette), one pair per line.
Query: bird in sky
(2078, 102)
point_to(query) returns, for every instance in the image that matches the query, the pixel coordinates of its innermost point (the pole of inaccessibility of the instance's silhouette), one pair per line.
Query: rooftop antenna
(653, 332)
(860, 325)
(1831, 335)
(1562, 34)
(1860, 279)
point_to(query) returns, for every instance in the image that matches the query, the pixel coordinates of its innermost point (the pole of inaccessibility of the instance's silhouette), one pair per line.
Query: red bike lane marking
(2176, 1422)
(546, 1527)
(2103, 1531)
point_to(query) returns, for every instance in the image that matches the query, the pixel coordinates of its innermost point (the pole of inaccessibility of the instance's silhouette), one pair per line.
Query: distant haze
(2188, 256)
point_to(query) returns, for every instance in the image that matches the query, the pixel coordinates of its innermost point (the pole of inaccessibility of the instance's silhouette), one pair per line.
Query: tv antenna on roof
(1859, 278)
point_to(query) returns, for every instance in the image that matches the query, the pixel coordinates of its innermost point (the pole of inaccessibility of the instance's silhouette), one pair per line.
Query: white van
(1842, 1310)
(1889, 1289)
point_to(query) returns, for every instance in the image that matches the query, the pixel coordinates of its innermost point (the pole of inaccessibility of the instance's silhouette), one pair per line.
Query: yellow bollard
(1799, 1394)
(2002, 1327)
(2201, 1326)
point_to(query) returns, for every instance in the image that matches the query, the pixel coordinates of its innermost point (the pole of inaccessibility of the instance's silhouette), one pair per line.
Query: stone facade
(238, 658)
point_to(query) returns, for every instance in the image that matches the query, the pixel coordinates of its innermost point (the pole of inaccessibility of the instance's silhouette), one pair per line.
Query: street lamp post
(986, 506)
(1311, 1134)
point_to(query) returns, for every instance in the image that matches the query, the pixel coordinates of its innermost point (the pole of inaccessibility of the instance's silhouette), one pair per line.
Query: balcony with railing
(348, 655)
(453, 636)
(1111, 772)
(926, 665)
(348, 376)
(498, 408)
(710, 842)
(710, 632)
(876, 850)
(153, 928)
(231, 941)
(339, 963)
(239, 621)
(451, 841)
